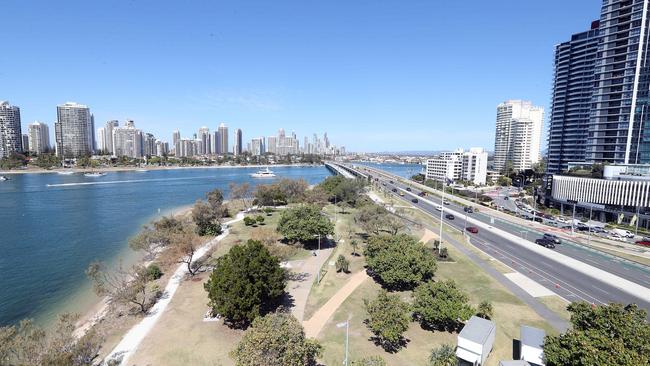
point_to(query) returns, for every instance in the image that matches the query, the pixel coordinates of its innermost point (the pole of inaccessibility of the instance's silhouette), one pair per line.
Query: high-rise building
(223, 139)
(238, 142)
(10, 132)
(518, 134)
(73, 130)
(457, 165)
(257, 146)
(108, 136)
(148, 144)
(176, 136)
(272, 144)
(25, 141)
(127, 141)
(206, 141)
(573, 87)
(39, 137)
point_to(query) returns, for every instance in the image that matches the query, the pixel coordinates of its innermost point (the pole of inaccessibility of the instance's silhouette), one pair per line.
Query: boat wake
(124, 181)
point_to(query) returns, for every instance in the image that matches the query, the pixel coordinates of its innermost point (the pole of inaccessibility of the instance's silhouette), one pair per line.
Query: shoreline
(100, 308)
(148, 168)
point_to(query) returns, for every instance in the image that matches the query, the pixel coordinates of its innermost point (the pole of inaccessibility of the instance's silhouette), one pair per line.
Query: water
(403, 170)
(52, 226)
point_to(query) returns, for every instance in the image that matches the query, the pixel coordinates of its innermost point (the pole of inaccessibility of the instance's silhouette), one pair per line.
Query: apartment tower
(518, 134)
(10, 134)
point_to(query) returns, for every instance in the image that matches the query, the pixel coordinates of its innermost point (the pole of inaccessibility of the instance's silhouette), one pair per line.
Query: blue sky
(376, 75)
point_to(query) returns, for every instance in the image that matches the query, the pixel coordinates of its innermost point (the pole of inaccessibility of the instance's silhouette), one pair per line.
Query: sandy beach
(36, 170)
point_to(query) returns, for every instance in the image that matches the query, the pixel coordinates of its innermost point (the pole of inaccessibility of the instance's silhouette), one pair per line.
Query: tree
(245, 283)
(259, 219)
(206, 219)
(241, 192)
(122, 286)
(504, 181)
(184, 247)
(388, 319)
(342, 264)
(400, 261)
(341, 189)
(372, 218)
(485, 310)
(369, 361)
(276, 339)
(355, 245)
(303, 223)
(248, 221)
(27, 344)
(316, 196)
(215, 198)
(153, 272)
(445, 355)
(441, 305)
(601, 335)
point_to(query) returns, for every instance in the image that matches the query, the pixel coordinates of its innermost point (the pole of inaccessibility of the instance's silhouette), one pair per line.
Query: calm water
(49, 234)
(403, 170)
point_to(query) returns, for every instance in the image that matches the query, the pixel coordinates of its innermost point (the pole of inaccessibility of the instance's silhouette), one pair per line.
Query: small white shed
(514, 363)
(475, 341)
(531, 345)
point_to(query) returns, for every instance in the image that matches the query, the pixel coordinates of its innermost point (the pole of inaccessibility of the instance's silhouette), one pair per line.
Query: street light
(346, 324)
(442, 206)
(318, 274)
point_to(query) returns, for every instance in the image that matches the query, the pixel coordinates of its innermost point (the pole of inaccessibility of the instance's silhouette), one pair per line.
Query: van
(624, 233)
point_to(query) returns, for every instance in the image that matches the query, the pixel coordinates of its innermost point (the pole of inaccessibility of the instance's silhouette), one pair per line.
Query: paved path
(314, 325)
(138, 332)
(303, 275)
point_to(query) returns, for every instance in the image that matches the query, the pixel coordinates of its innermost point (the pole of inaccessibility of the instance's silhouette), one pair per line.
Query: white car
(617, 237)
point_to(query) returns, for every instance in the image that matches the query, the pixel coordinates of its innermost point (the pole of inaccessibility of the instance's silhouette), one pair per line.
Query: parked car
(552, 237)
(450, 216)
(545, 243)
(472, 229)
(414, 200)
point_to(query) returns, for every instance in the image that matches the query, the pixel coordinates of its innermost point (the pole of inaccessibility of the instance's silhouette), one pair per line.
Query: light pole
(318, 273)
(573, 219)
(442, 202)
(346, 324)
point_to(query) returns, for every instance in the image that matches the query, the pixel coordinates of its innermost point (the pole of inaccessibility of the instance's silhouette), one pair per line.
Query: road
(564, 280)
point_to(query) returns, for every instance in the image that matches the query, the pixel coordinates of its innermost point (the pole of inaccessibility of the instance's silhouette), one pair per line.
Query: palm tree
(485, 310)
(444, 355)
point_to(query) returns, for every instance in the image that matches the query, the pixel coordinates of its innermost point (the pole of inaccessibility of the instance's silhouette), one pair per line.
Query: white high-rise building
(206, 141)
(257, 146)
(73, 130)
(458, 165)
(518, 134)
(127, 141)
(105, 138)
(39, 137)
(10, 134)
(223, 139)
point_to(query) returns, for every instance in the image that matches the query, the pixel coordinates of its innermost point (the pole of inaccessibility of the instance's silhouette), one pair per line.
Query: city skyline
(229, 73)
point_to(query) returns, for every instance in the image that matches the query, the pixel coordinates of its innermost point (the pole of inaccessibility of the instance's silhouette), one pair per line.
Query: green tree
(400, 261)
(445, 355)
(341, 189)
(248, 221)
(153, 272)
(245, 283)
(388, 319)
(601, 335)
(355, 246)
(276, 339)
(485, 310)
(372, 218)
(370, 361)
(342, 264)
(441, 305)
(303, 223)
(206, 219)
(259, 219)
(504, 181)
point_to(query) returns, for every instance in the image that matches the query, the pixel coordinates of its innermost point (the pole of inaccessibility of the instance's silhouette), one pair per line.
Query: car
(450, 216)
(506, 198)
(472, 229)
(552, 237)
(468, 209)
(401, 194)
(538, 219)
(391, 182)
(545, 243)
(617, 237)
(414, 200)
(445, 202)
(644, 242)
(422, 194)
(408, 189)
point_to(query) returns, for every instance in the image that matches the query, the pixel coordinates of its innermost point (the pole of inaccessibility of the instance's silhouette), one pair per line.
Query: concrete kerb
(596, 273)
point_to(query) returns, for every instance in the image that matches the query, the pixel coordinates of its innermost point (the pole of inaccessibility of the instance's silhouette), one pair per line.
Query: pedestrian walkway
(303, 274)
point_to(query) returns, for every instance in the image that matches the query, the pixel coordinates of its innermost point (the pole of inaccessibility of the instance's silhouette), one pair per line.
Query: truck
(624, 233)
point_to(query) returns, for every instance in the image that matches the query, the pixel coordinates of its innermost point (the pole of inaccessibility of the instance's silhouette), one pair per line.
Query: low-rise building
(458, 165)
(531, 345)
(475, 341)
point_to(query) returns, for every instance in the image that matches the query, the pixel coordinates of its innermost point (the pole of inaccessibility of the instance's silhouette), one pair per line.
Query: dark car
(553, 238)
(545, 243)
(415, 200)
(468, 209)
(394, 189)
(408, 189)
(450, 216)
(506, 198)
(391, 182)
(472, 229)
(422, 194)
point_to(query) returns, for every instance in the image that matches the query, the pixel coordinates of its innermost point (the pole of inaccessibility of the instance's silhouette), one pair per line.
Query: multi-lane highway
(566, 281)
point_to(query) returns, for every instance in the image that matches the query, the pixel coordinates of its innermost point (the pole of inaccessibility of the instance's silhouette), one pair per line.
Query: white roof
(477, 330)
(466, 355)
(532, 337)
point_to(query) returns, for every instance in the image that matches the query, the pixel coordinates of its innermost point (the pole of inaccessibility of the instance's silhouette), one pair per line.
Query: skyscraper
(10, 133)
(108, 135)
(127, 141)
(73, 130)
(175, 137)
(573, 87)
(223, 139)
(518, 134)
(272, 144)
(39, 137)
(206, 140)
(238, 142)
(257, 146)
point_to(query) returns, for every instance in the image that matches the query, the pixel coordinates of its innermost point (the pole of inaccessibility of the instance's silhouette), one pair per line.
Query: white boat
(141, 170)
(266, 173)
(3, 178)
(94, 174)
(65, 173)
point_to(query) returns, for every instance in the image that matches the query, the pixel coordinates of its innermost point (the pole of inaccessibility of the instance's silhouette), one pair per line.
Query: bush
(248, 221)
(245, 283)
(259, 219)
(441, 305)
(342, 264)
(153, 272)
(370, 361)
(445, 355)
(400, 261)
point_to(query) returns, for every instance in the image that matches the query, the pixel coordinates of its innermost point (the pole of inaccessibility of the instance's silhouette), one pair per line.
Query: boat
(65, 173)
(94, 174)
(3, 178)
(141, 170)
(266, 173)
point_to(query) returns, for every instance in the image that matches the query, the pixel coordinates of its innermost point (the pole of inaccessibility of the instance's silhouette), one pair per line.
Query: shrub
(342, 264)
(259, 219)
(248, 221)
(153, 272)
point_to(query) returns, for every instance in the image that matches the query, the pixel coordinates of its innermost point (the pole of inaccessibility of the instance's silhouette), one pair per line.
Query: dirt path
(303, 275)
(314, 325)
(428, 235)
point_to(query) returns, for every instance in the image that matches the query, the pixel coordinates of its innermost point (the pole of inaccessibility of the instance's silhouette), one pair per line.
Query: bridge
(339, 169)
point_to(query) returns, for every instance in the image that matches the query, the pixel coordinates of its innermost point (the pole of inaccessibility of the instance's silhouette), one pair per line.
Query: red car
(472, 229)
(645, 243)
